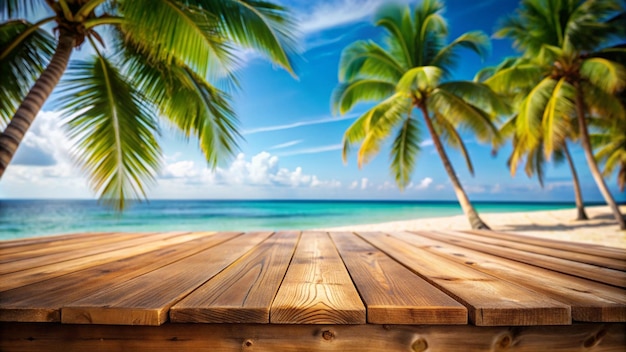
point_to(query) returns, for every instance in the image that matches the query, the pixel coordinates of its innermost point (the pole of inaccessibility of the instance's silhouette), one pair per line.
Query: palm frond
(476, 41)
(169, 31)
(529, 117)
(404, 151)
(367, 59)
(519, 77)
(192, 105)
(347, 95)
(461, 113)
(266, 27)
(419, 79)
(605, 74)
(20, 8)
(453, 139)
(379, 124)
(113, 131)
(390, 17)
(203, 111)
(20, 66)
(556, 122)
(479, 95)
(602, 104)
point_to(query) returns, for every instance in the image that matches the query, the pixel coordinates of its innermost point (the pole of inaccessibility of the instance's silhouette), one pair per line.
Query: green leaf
(113, 130)
(168, 31)
(461, 113)
(531, 110)
(516, 78)
(347, 95)
(22, 65)
(367, 59)
(419, 79)
(404, 152)
(192, 105)
(556, 117)
(453, 139)
(605, 74)
(20, 8)
(266, 27)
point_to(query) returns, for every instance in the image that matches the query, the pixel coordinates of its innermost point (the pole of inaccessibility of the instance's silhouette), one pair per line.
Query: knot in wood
(328, 335)
(419, 345)
(504, 342)
(247, 343)
(595, 339)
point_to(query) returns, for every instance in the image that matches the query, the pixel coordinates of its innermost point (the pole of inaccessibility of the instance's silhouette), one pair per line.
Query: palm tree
(565, 73)
(533, 154)
(609, 141)
(409, 74)
(167, 58)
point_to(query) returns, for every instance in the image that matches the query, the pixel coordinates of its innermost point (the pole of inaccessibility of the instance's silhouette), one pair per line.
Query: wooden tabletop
(416, 278)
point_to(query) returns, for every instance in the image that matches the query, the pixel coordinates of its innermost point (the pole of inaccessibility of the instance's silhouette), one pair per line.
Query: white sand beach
(555, 224)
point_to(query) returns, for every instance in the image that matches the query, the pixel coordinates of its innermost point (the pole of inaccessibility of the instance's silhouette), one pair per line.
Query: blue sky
(292, 146)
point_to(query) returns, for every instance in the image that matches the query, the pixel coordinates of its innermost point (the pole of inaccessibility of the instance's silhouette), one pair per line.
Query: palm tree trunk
(591, 161)
(580, 205)
(475, 220)
(13, 134)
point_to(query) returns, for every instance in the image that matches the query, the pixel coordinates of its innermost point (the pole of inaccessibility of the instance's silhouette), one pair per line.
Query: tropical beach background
(295, 119)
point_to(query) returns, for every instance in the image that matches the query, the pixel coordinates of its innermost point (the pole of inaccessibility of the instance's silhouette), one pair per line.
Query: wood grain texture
(52, 270)
(391, 292)
(145, 300)
(313, 338)
(590, 301)
(489, 300)
(588, 271)
(587, 258)
(587, 248)
(24, 242)
(27, 244)
(42, 301)
(243, 292)
(57, 255)
(71, 249)
(317, 288)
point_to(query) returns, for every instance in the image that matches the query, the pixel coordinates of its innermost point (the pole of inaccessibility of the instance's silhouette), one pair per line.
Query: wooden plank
(590, 301)
(243, 292)
(588, 271)
(617, 264)
(392, 293)
(49, 271)
(125, 241)
(587, 248)
(145, 300)
(6, 244)
(489, 300)
(42, 301)
(313, 338)
(64, 250)
(317, 288)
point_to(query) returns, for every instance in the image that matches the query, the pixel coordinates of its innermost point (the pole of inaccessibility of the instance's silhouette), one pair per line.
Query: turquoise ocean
(32, 218)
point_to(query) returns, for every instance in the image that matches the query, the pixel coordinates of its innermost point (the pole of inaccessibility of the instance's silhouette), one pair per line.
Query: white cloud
(298, 124)
(286, 144)
(386, 186)
(424, 183)
(426, 143)
(43, 162)
(330, 14)
(262, 169)
(314, 150)
(364, 183)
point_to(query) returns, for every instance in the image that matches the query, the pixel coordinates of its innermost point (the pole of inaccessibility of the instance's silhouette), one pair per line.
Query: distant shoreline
(601, 229)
